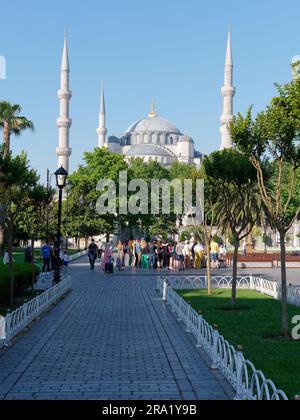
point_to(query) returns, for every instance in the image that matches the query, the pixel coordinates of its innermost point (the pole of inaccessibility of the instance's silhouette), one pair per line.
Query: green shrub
(22, 279)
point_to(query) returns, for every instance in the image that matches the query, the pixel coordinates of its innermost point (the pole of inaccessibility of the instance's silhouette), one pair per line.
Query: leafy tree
(11, 123)
(148, 223)
(18, 181)
(237, 206)
(273, 136)
(211, 217)
(32, 217)
(99, 165)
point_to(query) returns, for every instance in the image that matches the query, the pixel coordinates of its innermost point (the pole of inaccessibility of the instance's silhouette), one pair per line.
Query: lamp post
(80, 204)
(47, 208)
(68, 188)
(49, 179)
(61, 179)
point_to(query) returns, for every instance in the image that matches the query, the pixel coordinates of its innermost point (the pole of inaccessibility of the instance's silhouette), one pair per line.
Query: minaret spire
(101, 130)
(228, 92)
(152, 113)
(64, 122)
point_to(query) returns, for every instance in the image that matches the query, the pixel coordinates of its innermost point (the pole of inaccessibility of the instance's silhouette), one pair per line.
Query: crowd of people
(48, 257)
(155, 255)
(139, 254)
(51, 258)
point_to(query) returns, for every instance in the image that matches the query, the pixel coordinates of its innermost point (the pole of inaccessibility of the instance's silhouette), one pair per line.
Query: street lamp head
(61, 177)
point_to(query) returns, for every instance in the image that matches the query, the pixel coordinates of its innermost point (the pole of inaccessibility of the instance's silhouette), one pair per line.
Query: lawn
(19, 255)
(254, 326)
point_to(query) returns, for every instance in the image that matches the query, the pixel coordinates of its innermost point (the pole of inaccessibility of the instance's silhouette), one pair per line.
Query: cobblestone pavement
(111, 338)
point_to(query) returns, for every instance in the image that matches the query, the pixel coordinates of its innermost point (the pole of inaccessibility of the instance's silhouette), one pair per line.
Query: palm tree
(12, 123)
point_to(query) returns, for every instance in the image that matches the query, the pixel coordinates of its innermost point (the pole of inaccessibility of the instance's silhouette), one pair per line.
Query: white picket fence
(19, 320)
(248, 382)
(263, 286)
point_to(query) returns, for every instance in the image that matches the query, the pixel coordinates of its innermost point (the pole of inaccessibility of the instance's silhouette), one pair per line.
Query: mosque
(153, 138)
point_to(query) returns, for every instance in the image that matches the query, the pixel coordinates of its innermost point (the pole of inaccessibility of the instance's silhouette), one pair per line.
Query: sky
(171, 50)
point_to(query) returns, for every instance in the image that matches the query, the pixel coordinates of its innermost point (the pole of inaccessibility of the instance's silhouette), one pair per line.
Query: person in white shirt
(222, 252)
(180, 256)
(187, 255)
(2, 328)
(66, 261)
(244, 248)
(6, 258)
(222, 256)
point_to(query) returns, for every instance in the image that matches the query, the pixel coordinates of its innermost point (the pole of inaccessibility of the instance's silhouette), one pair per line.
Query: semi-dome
(153, 124)
(148, 150)
(113, 139)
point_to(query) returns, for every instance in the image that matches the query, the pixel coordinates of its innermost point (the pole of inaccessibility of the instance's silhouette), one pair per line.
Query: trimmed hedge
(22, 280)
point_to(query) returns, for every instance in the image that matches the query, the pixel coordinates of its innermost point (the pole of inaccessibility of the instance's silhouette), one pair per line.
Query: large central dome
(153, 124)
(155, 139)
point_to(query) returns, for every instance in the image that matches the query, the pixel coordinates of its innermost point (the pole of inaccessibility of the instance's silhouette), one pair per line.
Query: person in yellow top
(214, 252)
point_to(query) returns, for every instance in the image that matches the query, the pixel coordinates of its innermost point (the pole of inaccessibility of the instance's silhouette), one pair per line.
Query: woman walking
(120, 256)
(107, 263)
(159, 254)
(165, 255)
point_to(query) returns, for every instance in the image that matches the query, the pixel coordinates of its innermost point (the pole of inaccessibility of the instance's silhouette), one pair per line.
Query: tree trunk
(6, 138)
(107, 237)
(1, 238)
(32, 265)
(11, 265)
(208, 269)
(284, 300)
(234, 273)
(2, 218)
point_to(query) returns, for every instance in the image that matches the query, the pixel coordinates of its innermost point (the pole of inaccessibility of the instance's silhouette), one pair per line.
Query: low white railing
(248, 382)
(78, 255)
(263, 286)
(19, 320)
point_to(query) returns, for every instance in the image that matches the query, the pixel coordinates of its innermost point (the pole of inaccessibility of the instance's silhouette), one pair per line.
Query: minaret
(228, 92)
(102, 131)
(64, 122)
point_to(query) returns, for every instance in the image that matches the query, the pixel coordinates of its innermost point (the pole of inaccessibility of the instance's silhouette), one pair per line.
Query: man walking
(92, 253)
(46, 254)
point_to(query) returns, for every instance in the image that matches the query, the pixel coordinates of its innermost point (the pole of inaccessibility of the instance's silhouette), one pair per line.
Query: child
(66, 261)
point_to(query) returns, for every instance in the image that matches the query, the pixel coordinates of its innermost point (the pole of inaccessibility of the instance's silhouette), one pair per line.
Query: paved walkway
(111, 338)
